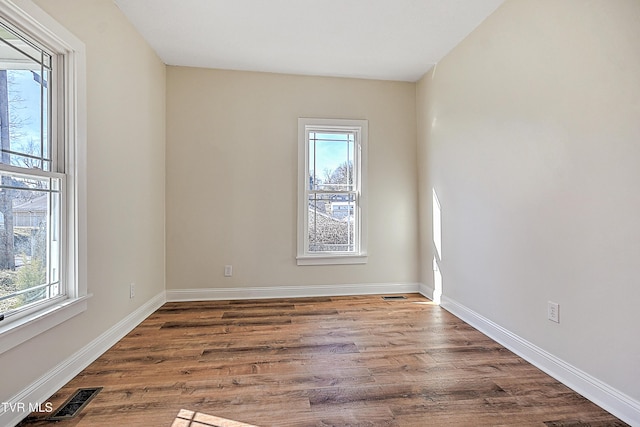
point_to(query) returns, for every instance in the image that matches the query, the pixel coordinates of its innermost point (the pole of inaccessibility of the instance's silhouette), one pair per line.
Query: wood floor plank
(328, 361)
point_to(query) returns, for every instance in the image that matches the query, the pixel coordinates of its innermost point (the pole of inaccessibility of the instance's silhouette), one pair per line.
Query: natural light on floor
(187, 418)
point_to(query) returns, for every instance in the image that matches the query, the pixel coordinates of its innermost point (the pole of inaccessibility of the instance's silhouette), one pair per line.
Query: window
(331, 198)
(41, 162)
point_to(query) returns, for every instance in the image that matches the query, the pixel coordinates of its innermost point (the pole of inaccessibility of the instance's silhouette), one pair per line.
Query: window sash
(334, 221)
(55, 283)
(20, 53)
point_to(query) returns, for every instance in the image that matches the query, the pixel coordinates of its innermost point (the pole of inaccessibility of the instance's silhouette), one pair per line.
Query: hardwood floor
(340, 361)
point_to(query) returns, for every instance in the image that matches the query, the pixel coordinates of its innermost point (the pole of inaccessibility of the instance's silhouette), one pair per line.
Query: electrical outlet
(132, 290)
(228, 270)
(553, 311)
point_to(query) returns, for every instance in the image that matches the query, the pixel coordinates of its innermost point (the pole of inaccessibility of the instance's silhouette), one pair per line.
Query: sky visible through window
(24, 78)
(24, 110)
(328, 151)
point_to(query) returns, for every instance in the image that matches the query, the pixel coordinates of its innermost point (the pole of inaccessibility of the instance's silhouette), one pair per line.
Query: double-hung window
(40, 173)
(331, 197)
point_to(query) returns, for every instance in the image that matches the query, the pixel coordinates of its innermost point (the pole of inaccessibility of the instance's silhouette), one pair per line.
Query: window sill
(25, 328)
(332, 259)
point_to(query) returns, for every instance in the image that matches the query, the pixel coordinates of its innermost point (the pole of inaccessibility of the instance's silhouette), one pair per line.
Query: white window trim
(303, 257)
(29, 18)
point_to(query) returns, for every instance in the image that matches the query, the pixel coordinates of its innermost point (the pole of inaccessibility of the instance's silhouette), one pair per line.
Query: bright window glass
(31, 185)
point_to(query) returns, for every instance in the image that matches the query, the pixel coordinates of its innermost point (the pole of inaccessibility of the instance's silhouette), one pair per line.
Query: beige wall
(125, 162)
(232, 171)
(529, 131)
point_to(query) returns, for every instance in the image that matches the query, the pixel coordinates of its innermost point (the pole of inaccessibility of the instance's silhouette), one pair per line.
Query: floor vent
(394, 297)
(75, 403)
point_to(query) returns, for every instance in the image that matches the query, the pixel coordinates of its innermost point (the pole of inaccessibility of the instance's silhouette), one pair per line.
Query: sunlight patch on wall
(437, 244)
(437, 225)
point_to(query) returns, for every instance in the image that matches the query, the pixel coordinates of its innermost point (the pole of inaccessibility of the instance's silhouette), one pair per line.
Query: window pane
(332, 222)
(24, 102)
(18, 50)
(331, 158)
(29, 254)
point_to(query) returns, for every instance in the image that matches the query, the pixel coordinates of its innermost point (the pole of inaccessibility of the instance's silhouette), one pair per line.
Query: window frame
(361, 129)
(69, 128)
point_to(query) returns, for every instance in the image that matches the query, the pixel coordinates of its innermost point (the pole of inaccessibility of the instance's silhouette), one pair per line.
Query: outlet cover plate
(553, 311)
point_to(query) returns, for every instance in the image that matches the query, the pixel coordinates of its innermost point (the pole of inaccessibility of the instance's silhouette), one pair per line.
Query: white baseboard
(425, 291)
(52, 381)
(290, 291)
(607, 397)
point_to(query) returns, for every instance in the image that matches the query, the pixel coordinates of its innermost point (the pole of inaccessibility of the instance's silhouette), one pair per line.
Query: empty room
(319, 212)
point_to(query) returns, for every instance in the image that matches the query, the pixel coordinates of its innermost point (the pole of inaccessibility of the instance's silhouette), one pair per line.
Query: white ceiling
(375, 39)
